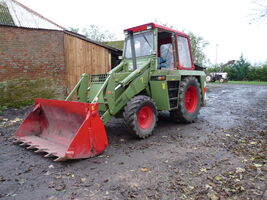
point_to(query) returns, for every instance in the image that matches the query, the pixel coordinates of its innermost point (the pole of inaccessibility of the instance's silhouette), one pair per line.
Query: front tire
(189, 101)
(140, 116)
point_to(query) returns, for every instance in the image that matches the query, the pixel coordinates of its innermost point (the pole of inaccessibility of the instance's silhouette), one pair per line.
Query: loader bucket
(63, 129)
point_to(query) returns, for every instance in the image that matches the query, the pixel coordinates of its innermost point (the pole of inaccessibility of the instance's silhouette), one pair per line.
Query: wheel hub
(191, 99)
(145, 117)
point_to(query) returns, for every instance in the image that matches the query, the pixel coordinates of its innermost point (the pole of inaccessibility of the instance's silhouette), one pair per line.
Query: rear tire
(140, 116)
(208, 78)
(189, 101)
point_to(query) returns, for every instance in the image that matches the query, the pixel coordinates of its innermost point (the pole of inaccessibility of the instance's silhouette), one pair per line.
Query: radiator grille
(98, 78)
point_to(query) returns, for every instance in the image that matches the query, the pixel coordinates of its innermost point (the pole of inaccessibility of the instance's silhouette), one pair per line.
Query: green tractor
(156, 73)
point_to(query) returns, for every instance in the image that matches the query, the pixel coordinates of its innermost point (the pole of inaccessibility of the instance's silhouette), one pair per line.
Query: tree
(264, 72)
(198, 44)
(240, 70)
(260, 12)
(258, 73)
(74, 30)
(94, 32)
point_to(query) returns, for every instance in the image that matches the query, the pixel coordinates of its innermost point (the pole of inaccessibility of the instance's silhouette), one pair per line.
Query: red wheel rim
(191, 99)
(145, 117)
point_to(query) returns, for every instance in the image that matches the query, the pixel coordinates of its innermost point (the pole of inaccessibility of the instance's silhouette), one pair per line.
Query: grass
(246, 82)
(2, 108)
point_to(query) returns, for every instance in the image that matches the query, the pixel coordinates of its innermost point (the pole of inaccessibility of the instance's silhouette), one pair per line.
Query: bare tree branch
(260, 11)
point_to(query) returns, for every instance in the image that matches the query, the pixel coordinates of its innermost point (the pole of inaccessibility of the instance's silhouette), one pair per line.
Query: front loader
(156, 73)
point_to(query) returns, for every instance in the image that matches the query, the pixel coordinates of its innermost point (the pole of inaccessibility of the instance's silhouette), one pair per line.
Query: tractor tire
(140, 116)
(189, 101)
(221, 80)
(208, 78)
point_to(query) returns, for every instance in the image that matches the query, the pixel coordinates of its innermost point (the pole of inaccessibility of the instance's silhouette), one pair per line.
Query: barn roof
(14, 13)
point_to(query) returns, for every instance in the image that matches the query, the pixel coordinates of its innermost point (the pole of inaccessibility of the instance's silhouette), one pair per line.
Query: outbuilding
(33, 47)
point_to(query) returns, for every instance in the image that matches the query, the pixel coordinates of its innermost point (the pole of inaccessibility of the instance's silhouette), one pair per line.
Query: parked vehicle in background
(217, 76)
(220, 76)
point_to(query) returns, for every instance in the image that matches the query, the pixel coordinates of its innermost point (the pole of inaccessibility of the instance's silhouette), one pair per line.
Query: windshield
(143, 44)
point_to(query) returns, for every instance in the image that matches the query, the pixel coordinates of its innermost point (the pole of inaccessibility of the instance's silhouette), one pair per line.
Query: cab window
(184, 53)
(165, 50)
(166, 58)
(143, 44)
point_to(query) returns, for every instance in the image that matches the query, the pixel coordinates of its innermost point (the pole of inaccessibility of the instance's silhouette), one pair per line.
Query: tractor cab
(169, 47)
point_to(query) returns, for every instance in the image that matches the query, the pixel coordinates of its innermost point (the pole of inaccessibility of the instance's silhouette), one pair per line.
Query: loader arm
(133, 84)
(115, 70)
(117, 94)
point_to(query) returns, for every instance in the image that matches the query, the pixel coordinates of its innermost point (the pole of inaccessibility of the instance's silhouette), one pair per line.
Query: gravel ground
(220, 156)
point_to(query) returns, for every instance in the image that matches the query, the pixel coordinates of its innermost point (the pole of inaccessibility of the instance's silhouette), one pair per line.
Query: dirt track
(222, 155)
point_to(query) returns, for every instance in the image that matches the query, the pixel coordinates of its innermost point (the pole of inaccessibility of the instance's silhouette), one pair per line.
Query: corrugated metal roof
(16, 14)
(5, 17)
(13, 13)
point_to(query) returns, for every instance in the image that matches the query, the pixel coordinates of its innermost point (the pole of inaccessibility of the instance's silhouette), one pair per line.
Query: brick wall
(32, 54)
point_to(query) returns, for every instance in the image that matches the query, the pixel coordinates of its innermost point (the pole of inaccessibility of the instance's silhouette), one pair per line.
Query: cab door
(185, 61)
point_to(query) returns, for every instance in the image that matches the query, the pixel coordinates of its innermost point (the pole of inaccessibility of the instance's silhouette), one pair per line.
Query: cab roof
(152, 26)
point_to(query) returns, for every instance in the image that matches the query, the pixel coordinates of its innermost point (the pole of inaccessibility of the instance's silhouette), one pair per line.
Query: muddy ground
(220, 156)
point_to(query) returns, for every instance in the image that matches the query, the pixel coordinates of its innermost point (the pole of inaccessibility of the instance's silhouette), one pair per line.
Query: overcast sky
(222, 22)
